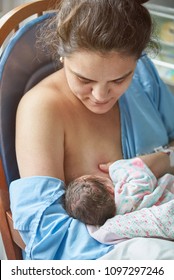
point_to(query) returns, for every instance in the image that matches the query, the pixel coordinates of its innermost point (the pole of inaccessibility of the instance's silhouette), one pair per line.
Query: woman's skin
(70, 122)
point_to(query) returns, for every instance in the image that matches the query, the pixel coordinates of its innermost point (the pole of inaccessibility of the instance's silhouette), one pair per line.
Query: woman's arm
(40, 134)
(158, 163)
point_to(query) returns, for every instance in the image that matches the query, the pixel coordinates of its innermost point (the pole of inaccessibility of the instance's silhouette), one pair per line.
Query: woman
(107, 97)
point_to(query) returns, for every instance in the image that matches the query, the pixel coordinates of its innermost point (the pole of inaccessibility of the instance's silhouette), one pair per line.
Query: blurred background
(163, 14)
(6, 5)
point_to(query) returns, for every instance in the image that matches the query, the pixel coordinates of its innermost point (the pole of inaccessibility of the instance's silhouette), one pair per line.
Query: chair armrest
(15, 234)
(11, 239)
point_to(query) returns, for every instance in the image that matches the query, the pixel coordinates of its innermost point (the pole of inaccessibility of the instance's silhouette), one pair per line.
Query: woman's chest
(90, 142)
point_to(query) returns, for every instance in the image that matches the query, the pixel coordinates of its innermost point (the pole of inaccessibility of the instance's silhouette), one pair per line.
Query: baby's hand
(104, 167)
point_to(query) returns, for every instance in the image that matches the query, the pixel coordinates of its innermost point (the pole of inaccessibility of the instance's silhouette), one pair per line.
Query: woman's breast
(86, 149)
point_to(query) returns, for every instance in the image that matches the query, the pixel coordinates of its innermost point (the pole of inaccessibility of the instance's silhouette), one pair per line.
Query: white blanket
(142, 249)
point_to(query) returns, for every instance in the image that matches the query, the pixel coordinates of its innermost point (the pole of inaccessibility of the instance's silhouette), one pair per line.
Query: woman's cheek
(82, 90)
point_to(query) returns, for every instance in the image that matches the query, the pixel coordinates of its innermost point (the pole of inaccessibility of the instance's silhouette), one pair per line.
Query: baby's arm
(135, 185)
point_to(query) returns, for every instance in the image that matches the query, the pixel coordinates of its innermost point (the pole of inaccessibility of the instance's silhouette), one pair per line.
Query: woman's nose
(100, 92)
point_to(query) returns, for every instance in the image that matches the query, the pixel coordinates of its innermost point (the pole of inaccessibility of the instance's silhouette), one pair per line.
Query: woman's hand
(104, 167)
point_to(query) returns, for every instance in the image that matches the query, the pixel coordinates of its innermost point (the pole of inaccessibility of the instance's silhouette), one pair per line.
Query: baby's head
(90, 199)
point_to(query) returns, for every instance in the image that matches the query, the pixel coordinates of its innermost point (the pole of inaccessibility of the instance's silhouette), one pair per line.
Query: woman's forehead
(93, 66)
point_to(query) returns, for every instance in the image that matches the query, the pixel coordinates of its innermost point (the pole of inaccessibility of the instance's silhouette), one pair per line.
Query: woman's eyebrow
(114, 80)
(124, 76)
(80, 76)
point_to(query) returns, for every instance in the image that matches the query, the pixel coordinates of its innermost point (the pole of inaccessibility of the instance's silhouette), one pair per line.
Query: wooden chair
(21, 67)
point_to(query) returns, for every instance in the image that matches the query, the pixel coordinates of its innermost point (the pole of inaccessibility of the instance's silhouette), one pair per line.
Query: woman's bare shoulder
(45, 95)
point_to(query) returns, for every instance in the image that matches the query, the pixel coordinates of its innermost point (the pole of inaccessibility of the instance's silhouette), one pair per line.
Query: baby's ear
(110, 189)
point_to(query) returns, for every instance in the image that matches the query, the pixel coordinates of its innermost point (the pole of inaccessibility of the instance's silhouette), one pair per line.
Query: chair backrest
(22, 65)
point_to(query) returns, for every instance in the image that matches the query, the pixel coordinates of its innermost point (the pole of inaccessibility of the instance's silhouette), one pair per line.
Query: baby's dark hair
(124, 26)
(89, 201)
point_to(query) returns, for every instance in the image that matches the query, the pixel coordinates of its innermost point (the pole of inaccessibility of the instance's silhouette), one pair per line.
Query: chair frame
(11, 20)
(12, 241)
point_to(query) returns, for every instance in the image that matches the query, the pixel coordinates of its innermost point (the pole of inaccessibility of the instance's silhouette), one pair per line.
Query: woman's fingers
(104, 167)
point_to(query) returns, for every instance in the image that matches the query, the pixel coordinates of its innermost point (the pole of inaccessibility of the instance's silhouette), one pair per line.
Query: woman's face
(98, 80)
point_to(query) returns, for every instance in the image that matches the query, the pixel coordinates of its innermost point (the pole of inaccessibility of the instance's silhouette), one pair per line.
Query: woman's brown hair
(102, 26)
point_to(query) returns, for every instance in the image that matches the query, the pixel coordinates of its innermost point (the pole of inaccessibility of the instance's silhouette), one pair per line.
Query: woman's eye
(118, 82)
(83, 80)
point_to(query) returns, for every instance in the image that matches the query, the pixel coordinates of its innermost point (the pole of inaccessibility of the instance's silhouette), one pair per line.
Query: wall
(166, 3)
(6, 5)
